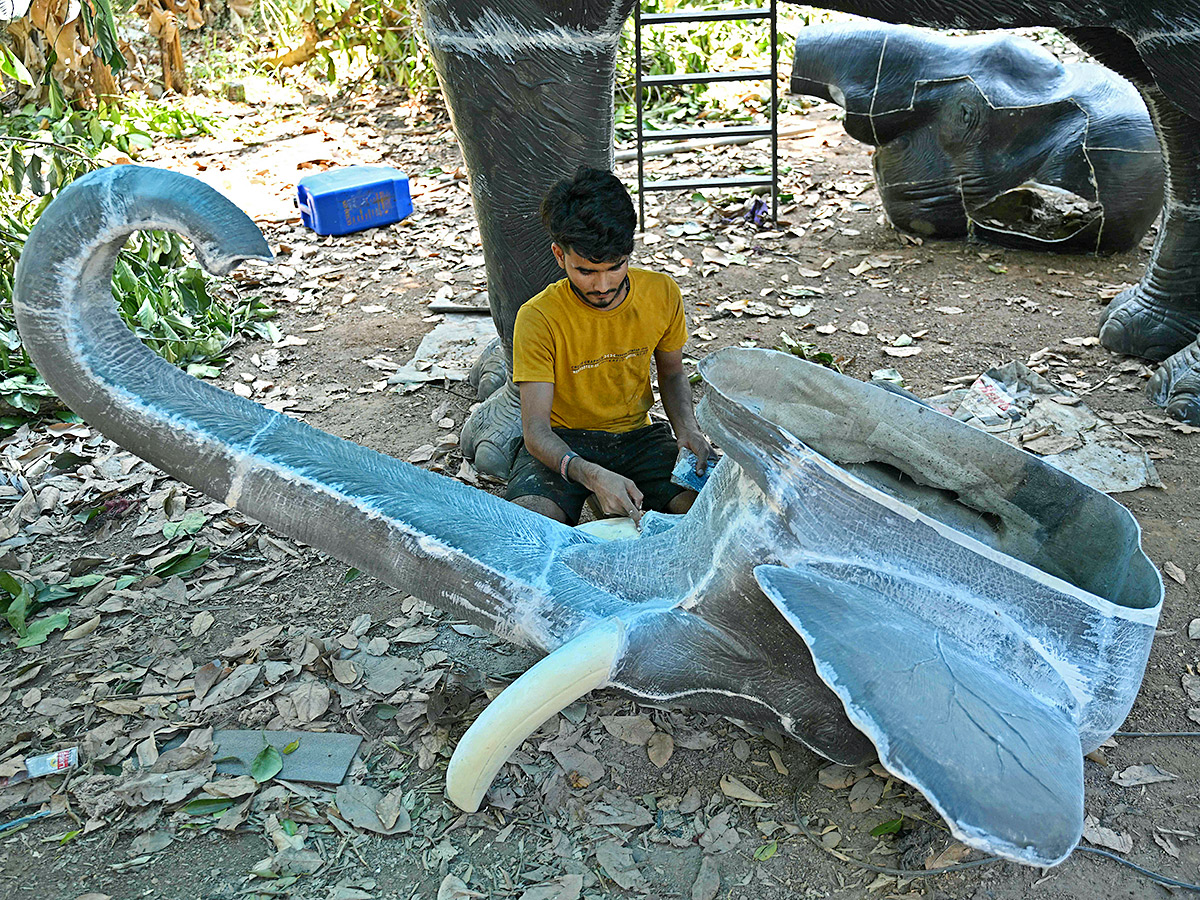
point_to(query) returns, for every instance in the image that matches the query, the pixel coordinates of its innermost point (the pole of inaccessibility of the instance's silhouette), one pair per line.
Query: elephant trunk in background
(530, 92)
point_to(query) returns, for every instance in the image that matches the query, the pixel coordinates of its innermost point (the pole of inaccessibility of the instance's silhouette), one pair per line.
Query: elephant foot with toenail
(1176, 385)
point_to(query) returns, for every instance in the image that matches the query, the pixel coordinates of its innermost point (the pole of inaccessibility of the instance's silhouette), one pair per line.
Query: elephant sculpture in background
(529, 84)
(990, 136)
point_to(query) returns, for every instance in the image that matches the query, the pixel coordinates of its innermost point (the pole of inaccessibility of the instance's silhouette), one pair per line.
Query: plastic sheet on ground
(448, 351)
(1021, 407)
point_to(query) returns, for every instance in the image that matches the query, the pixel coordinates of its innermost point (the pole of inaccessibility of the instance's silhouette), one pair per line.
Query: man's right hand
(618, 496)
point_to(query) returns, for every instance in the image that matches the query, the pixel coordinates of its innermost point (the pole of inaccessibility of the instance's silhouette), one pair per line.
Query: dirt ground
(609, 799)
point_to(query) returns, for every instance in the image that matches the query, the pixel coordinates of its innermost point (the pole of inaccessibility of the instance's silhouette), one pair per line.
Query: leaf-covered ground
(186, 618)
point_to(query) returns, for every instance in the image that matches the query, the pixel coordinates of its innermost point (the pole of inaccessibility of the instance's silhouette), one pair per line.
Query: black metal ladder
(770, 129)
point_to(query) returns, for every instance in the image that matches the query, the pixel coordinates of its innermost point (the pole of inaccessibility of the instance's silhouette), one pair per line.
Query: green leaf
(292, 747)
(13, 67)
(183, 562)
(891, 826)
(385, 711)
(17, 606)
(39, 630)
(190, 523)
(766, 851)
(86, 515)
(266, 765)
(350, 575)
(207, 806)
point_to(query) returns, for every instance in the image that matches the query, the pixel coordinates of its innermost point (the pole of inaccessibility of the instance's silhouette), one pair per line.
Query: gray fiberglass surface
(1009, 499)
(860, 572)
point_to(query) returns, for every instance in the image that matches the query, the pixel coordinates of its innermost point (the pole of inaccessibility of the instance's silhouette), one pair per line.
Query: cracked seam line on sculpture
(875, 89)
(785, 720)
(992, 104)
(731, 534)
(1095, 182)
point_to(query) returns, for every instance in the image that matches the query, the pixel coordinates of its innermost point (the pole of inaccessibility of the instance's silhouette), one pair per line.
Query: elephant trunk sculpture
(860, 572)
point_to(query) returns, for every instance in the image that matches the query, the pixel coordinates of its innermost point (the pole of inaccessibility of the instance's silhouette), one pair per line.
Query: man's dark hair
(591, 214)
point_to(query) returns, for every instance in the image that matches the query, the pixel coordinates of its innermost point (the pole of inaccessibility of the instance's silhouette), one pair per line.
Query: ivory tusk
(577, 667)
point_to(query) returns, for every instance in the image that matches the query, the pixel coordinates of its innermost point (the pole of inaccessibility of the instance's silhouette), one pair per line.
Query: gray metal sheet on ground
(320, 757)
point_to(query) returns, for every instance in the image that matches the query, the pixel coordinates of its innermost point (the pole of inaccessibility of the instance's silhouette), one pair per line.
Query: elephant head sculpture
(989, 136)
(860, 572)
(529, 85)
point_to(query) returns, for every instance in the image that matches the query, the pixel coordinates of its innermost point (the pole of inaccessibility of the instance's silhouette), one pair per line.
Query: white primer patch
(496, 35)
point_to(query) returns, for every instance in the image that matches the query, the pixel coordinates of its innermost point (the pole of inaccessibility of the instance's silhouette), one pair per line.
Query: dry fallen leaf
(453, 888)
(391, 811)
(732, 787)
(82, 630)
(659, 749)
(231, 787)
(866, 794)
(1168, 846)
(617, 862)
(1175, 572)
(708, 880)
(358, 805)
(836, 777)
(631, 729)
(947, 857)
(202, 622)
(344, 671)
(1147, 774)
(1095, 833)
(1191, 684)
(565, 887)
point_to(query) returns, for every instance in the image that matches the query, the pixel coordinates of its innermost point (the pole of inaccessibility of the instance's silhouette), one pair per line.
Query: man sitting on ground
(581, 356)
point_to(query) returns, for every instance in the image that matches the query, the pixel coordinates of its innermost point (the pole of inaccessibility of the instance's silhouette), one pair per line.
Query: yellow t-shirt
(598, 359)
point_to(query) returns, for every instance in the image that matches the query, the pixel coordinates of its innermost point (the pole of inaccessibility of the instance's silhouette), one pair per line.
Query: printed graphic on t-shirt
(610, 357)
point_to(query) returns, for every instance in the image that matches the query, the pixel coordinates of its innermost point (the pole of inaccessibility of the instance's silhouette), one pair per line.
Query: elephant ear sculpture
(860, 572)
(989, 136)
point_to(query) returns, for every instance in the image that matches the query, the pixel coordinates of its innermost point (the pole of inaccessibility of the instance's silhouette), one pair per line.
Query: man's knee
(682, 502)
(543, 506)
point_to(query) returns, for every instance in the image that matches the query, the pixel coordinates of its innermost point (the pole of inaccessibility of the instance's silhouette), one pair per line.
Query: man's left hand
(693, 440)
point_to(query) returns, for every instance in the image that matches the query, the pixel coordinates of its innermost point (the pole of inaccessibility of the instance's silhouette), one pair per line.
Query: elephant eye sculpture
(990, 136)
(860, 572)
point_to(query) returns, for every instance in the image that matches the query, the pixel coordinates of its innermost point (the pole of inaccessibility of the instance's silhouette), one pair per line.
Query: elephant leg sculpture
(1159, 319)
(989, 136)
(530, 91)
(860, 572)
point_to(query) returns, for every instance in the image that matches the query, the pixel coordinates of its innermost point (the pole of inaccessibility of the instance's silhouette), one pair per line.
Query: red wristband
(565, 462)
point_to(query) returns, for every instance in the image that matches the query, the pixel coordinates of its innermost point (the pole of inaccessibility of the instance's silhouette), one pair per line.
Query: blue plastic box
(353, 199)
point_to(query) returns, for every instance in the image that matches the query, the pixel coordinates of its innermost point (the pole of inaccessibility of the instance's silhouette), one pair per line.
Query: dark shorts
(646, 456)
